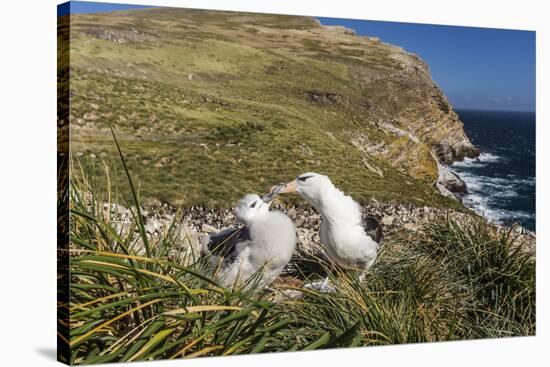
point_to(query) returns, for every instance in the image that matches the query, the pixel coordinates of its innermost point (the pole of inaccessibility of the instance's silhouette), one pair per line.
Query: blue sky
(477, 68)
(83, 7)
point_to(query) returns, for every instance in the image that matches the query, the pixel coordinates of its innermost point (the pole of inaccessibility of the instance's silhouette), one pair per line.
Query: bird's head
(309, 185)
(250, 207)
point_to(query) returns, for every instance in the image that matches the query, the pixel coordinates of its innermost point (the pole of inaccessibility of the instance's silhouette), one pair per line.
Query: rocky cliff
(210, 105)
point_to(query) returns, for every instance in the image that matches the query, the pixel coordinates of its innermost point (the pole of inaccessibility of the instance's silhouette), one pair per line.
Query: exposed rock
(449, 152)
(207, 228)
(322, 98)
(393, 217)
(152, 227)
(452, 182)
(291, 213)
(121, 35)
(387, 220)
(158, 220)
(191, 226)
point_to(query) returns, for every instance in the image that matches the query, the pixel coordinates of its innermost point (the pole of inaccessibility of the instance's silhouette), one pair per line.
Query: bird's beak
(279, 189)
(292, 186)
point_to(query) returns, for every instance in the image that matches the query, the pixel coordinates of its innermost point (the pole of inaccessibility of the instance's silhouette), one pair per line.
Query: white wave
(486, 193)
(488, 157)
(481, 205)
(478, 162)
(473, 182)
(506, 194)
(499, 186)
(526, 181)
(468, 162)
(483, 183)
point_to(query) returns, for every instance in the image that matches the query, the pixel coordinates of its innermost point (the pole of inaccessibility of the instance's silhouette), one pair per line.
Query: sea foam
(485, 193)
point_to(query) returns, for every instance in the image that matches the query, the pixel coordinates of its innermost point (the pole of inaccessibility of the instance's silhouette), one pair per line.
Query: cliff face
(409, 102)
(210, 105)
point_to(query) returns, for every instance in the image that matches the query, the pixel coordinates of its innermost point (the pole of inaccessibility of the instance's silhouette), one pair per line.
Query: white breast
(273, 239)
(347, 244)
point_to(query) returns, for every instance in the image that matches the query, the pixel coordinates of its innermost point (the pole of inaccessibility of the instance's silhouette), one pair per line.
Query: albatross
(257, 251)
(349, 240)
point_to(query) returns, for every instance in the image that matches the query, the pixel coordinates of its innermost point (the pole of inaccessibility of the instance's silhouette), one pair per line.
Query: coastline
(499, 184)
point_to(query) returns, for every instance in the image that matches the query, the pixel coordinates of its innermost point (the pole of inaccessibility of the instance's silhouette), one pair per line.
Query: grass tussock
(134, 298)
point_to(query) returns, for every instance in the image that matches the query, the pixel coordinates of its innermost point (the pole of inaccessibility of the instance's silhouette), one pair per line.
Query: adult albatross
(257, 252)
(349, 240)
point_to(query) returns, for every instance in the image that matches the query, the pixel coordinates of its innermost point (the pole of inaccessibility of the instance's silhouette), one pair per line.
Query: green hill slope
(211, 105)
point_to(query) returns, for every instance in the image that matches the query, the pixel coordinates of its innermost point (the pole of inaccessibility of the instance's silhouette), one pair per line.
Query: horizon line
(492, 110)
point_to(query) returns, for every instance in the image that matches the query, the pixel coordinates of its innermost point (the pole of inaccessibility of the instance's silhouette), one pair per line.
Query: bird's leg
(362, 276)
(323, 286)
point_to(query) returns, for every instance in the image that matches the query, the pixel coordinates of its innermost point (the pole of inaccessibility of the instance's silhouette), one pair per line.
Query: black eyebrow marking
(303, 178)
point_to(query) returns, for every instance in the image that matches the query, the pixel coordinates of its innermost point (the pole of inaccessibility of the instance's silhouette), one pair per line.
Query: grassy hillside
(210, 105)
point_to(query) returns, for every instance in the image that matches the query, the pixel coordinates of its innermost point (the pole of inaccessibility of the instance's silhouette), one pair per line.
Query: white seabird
(257, 252)
(349, 240)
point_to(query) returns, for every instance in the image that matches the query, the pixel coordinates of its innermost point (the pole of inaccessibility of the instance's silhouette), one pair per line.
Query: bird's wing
(373, 228)
(225, 243)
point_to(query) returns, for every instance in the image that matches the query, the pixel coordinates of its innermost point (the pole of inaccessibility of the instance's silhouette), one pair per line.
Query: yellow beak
(292, 186)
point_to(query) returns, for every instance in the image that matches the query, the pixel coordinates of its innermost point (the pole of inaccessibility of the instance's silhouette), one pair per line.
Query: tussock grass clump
(130, 301)
(499, 274)
(132, 297)
(452, 281)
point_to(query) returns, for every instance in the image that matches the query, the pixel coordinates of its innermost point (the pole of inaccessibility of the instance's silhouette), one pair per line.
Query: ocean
(501, 181)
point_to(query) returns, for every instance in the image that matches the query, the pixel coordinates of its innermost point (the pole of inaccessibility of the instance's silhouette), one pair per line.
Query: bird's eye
(304, 178)
(253, 205)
